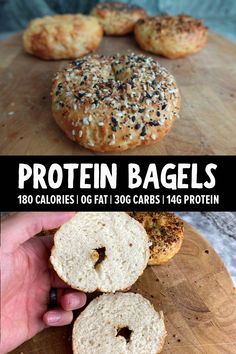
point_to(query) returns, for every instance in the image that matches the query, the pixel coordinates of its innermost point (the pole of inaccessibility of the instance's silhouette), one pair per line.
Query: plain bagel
(171, 36)
(120, 323)
(118, 18)
(105, 251)
(115, 103)
(62, 36)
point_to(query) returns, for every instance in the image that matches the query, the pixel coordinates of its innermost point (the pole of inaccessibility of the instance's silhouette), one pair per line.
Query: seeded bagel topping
(117, 6)
(127, 92)
(174, 24)
(163, 228)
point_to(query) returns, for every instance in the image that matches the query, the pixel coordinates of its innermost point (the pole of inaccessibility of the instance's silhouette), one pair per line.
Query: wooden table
(207, 81)
(196, 295)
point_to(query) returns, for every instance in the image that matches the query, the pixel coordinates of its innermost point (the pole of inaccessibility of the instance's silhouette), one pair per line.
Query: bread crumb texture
(92, 251)
(97, 329)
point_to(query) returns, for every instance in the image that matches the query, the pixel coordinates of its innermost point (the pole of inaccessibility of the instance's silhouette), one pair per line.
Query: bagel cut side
(119, 324)
(115, 103)
(104, 251)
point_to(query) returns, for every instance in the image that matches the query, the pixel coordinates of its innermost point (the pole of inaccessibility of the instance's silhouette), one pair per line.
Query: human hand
(26, 279)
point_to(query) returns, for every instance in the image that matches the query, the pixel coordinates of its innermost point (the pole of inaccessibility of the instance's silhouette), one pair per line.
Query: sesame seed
(161, 95)
(143, 132)
(153, 136)
(163, 106)
(80, 133)
(144, 91)
(162, 121)
(85, 121)
(114, 121)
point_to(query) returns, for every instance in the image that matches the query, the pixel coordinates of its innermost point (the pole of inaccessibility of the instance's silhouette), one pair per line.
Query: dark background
(219, 15)
(223, 187)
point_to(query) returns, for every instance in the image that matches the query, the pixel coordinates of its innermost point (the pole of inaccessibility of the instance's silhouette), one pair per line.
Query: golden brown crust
(62, 36)
(118, 18)
(171, 36)
(110, 104)
(165, 231)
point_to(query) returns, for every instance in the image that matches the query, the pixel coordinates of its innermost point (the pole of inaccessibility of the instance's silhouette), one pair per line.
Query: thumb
(20, 227)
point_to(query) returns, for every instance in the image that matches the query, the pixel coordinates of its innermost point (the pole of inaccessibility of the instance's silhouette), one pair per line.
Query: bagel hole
(124, 332)
(98, 255)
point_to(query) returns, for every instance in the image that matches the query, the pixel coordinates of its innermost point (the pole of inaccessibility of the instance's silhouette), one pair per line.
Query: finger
(57, 317)
(57, 282)
(47, 240)
(20, 227)
(72, 300)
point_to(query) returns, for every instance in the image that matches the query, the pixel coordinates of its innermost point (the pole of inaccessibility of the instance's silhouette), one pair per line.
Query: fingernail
(75, 301)
(53, 317)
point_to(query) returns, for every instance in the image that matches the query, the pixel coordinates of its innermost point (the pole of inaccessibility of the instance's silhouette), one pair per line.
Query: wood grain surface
(195, 293)
(207, 81)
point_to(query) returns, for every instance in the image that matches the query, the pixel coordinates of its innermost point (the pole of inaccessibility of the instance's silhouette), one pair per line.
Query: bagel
(62, 36)
(115, 103)
(119, 323)
(171, 36)
(117, 18)
(165, 232)
(104, 251)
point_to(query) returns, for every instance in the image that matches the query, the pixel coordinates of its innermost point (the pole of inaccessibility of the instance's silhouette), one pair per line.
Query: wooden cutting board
(195, 293)
(207, 81)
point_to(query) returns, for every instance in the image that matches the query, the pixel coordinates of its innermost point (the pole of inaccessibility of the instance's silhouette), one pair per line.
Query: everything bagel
(115, 103)
(171, 36)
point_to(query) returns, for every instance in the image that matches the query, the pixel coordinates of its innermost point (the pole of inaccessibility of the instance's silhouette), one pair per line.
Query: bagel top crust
(163, 228)
(118, 18)
(171, 36)
(118, 6)
(114, 103)
(173, 25)
(62, 36)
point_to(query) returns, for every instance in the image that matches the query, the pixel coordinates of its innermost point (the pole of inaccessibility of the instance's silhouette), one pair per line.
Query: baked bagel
(119, 324)
(62, 36)
(104, 251)
(115, 103)
(171, 36)
(165, 232)
(118, 18)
